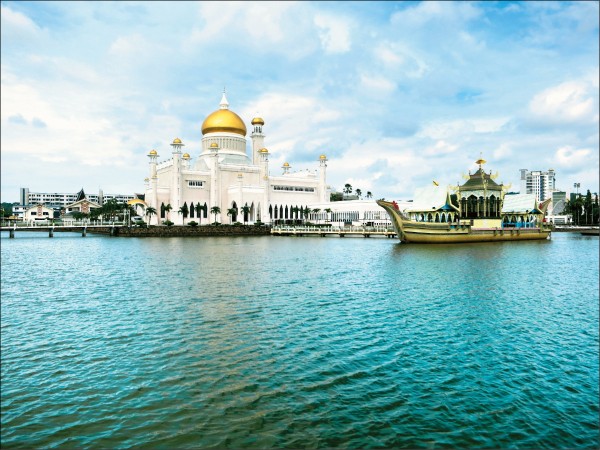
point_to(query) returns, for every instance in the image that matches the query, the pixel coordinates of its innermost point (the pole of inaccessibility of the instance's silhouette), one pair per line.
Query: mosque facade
(222, 183)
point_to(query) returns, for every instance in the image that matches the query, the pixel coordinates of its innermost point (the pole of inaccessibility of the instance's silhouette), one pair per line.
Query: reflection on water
(298, 342)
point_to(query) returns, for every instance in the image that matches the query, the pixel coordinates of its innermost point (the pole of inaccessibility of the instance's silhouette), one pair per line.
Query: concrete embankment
(200, 231)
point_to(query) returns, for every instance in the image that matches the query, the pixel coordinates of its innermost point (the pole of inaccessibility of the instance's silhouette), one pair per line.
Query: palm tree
(184, 211)
(359, 193)
(215, 210)
(328, 211)
(369, 195)
(168, 208)
(199, 210)
(150, 211)
(246, 211)
(347, 188)
(316, 211)
(232, 212)
(307, 212)
(294, 211)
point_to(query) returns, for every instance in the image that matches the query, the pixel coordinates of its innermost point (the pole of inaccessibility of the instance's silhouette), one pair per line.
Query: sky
(396, 94)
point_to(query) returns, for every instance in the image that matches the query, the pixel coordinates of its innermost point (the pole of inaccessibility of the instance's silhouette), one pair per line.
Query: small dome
(258, 121)
(146, 179)
(214, 145)
(263, 150)
(176, 141)
(322, 157)
(286, 164)
(153, 153)
(186, 156)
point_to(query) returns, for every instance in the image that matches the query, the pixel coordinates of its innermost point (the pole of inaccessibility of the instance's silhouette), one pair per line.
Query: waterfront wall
(208, 230)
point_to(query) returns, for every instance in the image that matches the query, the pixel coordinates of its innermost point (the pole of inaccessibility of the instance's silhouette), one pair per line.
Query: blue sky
(396, 94)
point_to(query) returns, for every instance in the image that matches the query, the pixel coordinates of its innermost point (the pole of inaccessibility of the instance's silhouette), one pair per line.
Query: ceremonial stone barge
(477, 211)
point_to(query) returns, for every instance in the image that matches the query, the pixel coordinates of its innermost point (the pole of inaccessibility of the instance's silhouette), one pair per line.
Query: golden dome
(176, 141)
(223, 120)
(286, 164)
(186, 156)
(258, 121)
(263, 150)
(322, 157)
(153, 153)
(214, 145)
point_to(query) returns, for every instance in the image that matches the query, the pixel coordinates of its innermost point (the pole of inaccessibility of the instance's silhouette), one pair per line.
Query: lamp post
(577, 186)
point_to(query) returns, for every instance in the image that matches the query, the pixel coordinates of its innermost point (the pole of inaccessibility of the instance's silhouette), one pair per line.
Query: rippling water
(298, 342)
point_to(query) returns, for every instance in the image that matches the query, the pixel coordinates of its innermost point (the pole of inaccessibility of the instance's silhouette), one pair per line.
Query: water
(298, 342)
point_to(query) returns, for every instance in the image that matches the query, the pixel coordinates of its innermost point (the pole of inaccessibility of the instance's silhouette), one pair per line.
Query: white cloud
(334, 33)
(16, 26)
(570, 157)
(377, 83)
(569, 102)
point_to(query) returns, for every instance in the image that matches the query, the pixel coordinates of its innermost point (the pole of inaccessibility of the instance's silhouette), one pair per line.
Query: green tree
(347, 189)
(199, 211)
(110, 209)
(359, 193)
(232, 213)
(245, 210)
(295, 210)
(306, 213)
(316, 211)
(168, 209)
(328, 211)
(7, 209)
(215, 210)
(369, 195)
(184, 211)
(336, 197)
(587, 206)
(150, 211)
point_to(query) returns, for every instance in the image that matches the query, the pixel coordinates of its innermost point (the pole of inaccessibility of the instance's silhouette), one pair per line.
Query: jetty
(74, 226)
(360, 231)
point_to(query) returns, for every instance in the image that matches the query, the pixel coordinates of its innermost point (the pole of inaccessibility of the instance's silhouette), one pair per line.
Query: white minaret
(323, 179)
(176, 187)
(214, 199)
(258, 139)
(153, 200)
(264, 182)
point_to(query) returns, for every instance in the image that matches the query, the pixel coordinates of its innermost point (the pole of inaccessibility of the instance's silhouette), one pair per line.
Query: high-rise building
(559, 200)
(538, 182)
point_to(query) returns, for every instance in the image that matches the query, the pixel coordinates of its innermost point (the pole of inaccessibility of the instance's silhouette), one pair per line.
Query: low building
(38, 212)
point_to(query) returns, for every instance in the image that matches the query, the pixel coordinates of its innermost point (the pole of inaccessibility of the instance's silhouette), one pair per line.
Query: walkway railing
(287, 230)
(60, 223)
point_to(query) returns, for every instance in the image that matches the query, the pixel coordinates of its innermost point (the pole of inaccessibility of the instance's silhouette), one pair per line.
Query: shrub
(167, 223)
(193, 223)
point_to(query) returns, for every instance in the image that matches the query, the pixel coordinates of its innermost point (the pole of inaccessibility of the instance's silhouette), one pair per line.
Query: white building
(38, 212)
(62, 199)
(222, 175)
(537, 182)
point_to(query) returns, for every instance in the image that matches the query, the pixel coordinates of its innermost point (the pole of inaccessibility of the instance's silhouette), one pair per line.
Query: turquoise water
(298, 342)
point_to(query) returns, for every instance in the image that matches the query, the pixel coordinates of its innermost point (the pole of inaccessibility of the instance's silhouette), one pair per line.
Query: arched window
(205, 209)
(162, 210)
(192, 210)
(429, 218)
(271, 212)
(443, 218)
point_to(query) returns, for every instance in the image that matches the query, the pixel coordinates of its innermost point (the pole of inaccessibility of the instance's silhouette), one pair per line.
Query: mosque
(223, 184)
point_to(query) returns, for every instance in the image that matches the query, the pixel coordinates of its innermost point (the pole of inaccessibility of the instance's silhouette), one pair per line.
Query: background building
(61, 199)
(537, 182)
